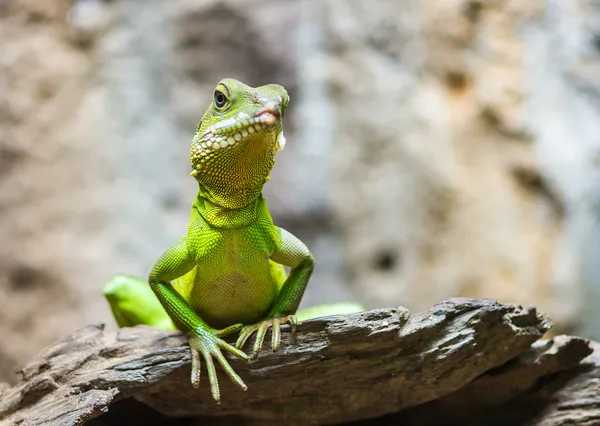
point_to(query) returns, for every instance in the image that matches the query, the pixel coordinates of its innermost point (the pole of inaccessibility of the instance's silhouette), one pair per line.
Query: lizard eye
(220, 99)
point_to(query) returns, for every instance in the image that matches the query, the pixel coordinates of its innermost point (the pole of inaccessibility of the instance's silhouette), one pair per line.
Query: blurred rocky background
(435, 148)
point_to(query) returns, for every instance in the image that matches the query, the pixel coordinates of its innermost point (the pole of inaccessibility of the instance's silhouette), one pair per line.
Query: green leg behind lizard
(227, 275)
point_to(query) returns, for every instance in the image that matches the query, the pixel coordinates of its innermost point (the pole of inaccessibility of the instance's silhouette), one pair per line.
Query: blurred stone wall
(469, 135)
(435, 149)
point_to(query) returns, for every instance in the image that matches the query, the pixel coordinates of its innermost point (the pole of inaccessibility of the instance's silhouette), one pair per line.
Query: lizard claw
(261, 328)
(207, 345)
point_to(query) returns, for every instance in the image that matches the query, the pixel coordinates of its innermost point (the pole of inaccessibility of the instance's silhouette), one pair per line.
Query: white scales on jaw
(227, 133)
(232, 130)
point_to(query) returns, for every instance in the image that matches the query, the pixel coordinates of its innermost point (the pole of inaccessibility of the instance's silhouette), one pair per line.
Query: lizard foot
(209, 345)
(261, 329)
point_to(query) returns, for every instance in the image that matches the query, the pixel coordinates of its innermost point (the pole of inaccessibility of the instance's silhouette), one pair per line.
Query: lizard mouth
(229, 132)
(269, 115)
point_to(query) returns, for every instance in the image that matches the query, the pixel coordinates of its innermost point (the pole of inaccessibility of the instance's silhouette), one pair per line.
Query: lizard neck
(225, 217)
(234, 194)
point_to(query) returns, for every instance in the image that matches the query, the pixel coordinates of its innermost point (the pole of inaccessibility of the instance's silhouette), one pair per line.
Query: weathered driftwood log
(461, 355)
(547, 385)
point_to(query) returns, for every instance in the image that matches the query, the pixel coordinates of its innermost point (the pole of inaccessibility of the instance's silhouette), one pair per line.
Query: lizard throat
(231, 161)
(234, 145)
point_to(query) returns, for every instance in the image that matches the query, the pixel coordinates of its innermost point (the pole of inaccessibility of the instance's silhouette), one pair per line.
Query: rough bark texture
(455, 359)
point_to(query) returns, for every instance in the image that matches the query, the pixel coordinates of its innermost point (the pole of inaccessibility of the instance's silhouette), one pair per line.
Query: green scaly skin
(227, 274)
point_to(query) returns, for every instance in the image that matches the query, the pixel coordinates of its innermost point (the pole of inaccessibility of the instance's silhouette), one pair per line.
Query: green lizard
(227, 274)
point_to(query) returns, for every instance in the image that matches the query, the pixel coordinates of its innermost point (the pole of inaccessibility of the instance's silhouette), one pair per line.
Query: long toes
(275, 335)
(214, 381)
(293, 321)
(230, 371)
(229, 330)
(235, 351)
(241, 340)
(260, 337)
(196, 368)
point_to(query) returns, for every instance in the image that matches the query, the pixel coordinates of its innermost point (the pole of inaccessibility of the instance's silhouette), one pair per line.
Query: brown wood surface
(463, 360)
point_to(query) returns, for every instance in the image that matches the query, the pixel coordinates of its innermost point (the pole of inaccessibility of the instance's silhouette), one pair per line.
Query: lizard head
(234, 147)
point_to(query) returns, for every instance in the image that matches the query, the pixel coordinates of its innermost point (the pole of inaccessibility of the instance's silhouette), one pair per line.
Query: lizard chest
(233, 280)
(230, 251)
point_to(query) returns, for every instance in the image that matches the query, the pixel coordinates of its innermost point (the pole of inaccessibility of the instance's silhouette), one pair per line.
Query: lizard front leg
(293, 253)
(203, 339)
